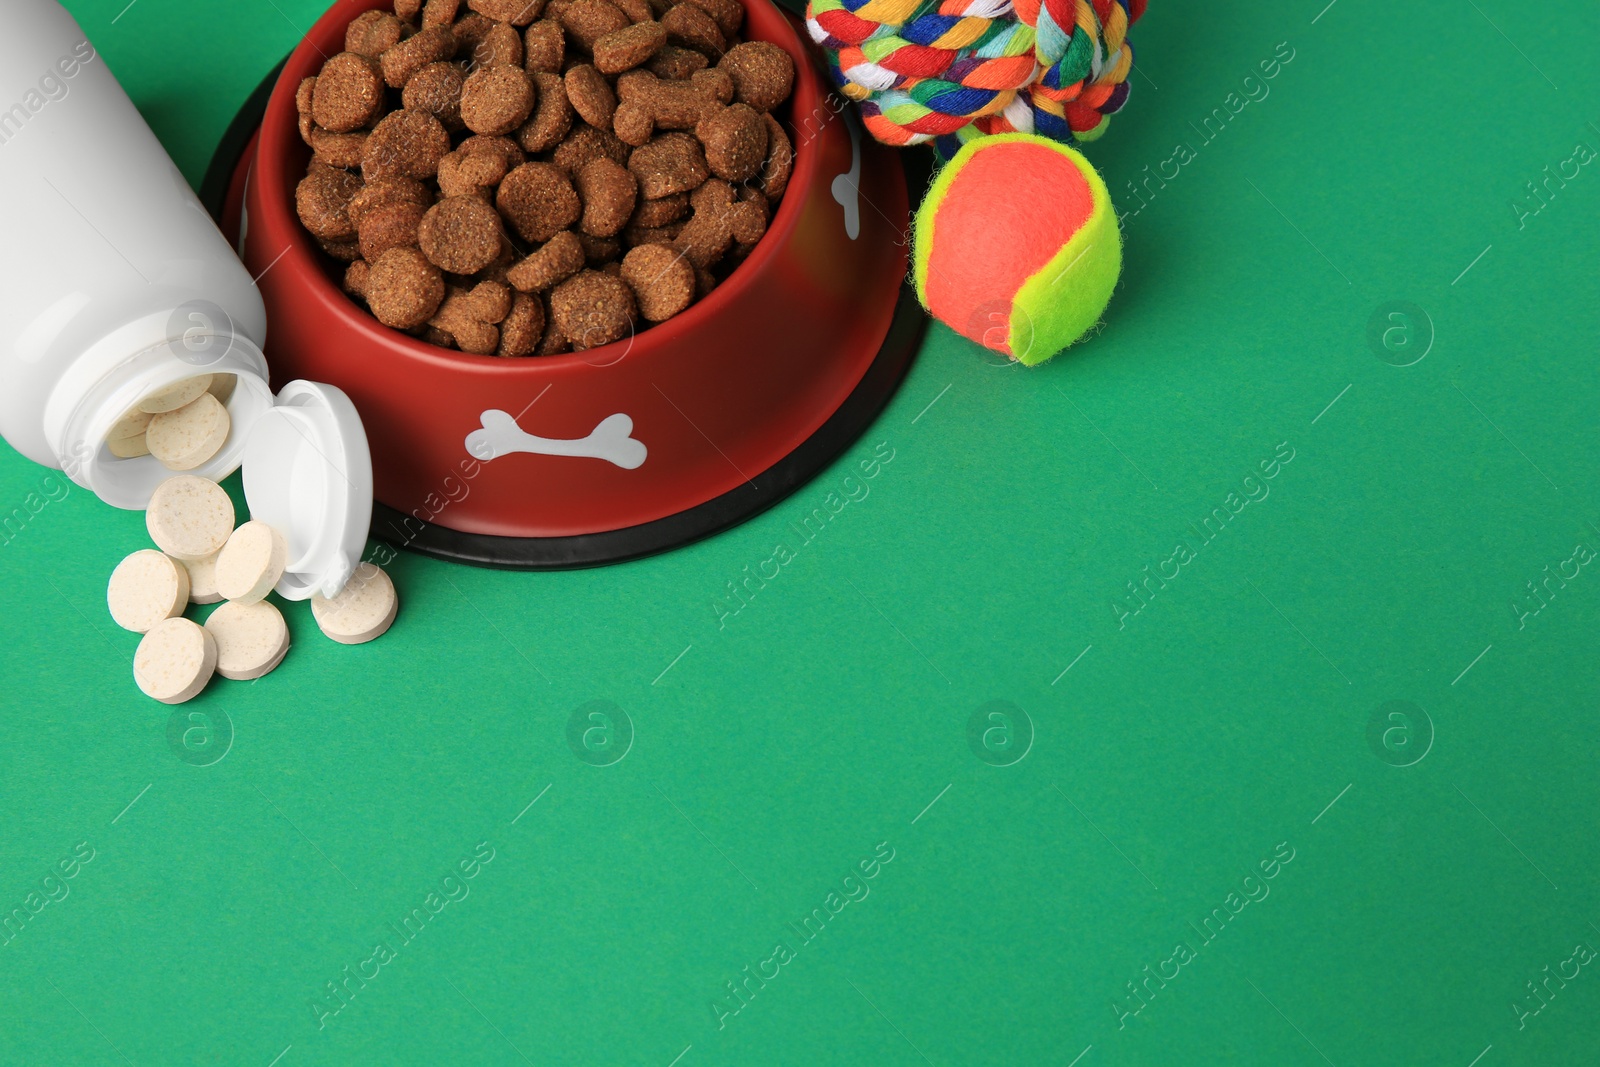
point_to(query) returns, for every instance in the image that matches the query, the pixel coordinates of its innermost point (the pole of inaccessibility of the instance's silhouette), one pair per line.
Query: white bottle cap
(308, 474)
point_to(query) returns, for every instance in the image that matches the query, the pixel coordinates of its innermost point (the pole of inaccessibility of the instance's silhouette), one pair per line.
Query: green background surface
(1170, 752)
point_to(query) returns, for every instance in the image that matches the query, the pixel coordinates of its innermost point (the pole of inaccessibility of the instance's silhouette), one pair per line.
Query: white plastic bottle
(115, 282)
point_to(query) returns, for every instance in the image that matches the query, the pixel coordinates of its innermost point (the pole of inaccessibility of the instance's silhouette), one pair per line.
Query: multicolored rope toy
(954, 73)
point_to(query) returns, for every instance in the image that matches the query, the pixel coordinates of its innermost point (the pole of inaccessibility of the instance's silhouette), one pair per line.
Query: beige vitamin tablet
(174, 661)
(128, 447)
(222, 385)
(362, 611)
(203, 580)
(251, 563)
(174, 396)
(126, 438)
(187, 437)
(252, 639)
(146, 588)
(189, 518)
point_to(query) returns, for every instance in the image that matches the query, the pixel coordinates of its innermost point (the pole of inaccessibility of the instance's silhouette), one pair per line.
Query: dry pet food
(530, 177)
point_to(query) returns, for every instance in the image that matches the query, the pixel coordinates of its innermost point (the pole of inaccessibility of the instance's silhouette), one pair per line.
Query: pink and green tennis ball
(1017, 246)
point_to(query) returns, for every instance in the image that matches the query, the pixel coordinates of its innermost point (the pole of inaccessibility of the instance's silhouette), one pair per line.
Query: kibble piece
(372, 33)
(592, 309)
(720, 220)
(436, 89)
(608, 191)
(672, 163)
(146, 588)
(471, 171)
(251, 639)
(652, 213)
(405, 144)
(404, 289)
(501, 46)
(174, 661)
(185, 438)
(780, 161)
(552, 115)
(539, 201)
(355, 278)
(662, 280)
(410, 10)
(664, 234)
(498, 268)
(763, 74)
(433, 45)
(735, 141)
(343, 251)
(470, 316)
(729, 14)
(649, 102)
(750, 194)
(544, 47)
(461, 235)
(690, 27)
(636, 10)
(585, 143)
(366, 607)
(506, 147)
(348, 94)
(704, 283)
(440, 12)
(496, 100)
(522, 327)
(629, 47)
(174, 396)
(322, 200)
(202, 580)
(591, 95)
(189, 518)
(516, 12)
(391, 191)
(676, 63)
(559, 259)
(304, 94)
(391, 225)
(599, 251)
(342, 151)
(471, 30)
(251, 563)
(552, 343)
(589, 20)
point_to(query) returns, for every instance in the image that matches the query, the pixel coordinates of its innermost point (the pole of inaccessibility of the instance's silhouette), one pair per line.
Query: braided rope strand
(946, 71)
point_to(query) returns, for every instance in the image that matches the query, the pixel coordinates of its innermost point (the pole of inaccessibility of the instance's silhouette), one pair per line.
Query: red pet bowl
(682, 430)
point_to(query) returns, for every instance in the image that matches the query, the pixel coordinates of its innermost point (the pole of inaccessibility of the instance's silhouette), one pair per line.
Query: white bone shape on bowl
(611, 441)
(846, 187)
